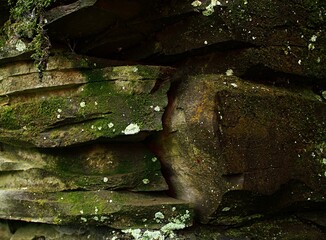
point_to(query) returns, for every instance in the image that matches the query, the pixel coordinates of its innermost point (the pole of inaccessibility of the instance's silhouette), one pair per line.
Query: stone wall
(164, 120)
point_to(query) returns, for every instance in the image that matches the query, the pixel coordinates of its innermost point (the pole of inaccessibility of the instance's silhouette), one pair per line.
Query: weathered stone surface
(224, 134)
(93, 167)
(290, 228)
(5, 233)
(62, 11)
(71, 106)
(115, 209)
(238, 150)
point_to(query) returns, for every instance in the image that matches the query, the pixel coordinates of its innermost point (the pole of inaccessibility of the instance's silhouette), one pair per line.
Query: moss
(27, 21)
(8, 119)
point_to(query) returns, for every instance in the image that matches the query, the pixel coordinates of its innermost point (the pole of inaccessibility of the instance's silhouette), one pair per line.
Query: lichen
(131, 129)
(166, 231)
(27, 21)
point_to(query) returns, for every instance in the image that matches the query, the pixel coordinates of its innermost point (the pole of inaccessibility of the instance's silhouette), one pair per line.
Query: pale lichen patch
(131, 129)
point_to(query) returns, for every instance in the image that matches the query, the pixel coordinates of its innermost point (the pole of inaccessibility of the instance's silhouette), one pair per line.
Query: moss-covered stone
(99, 103)
(101, 208)
(237, 135)
(91, 167)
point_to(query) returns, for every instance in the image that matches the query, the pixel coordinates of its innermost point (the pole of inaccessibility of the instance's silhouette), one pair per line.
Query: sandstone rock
(107, 208)
(225, 135)
(69, 107)
(93, 167)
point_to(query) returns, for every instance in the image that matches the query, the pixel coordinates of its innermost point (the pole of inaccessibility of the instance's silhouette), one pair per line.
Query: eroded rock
(91, 167)
(226, 135)
(72, 106)
(107, 208)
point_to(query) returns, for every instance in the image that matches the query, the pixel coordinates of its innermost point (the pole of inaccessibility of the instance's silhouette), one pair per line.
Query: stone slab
(70, 107)
(101, 208)
(91, 167)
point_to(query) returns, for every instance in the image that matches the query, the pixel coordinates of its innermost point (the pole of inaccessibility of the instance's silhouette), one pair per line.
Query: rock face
(80, 106)
(51, 172)
(102, 166)
(152, 115)
(114, 209)
(225, 135)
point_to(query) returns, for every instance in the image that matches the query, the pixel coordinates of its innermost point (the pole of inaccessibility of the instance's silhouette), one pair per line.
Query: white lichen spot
(205, 42)
(210, 8)
(99, 128)
(234, 85)
(135, 69)
(81, 212)
(95, 218)
(58, 116)
(245, 2)
(226, 209)
(313, 38)
(311, 46)
(105, 179)
(82, 104)
(146, 181)
(95, 103)
(136, 233)
(173, 209)
(153, 235)
(159, 215)
(95, 210)
(196, 3)
(154, 159)
(20, 46)
(229, 72)
(132, 128)
(157, 109)
(103, 218)
(299, 61)
(83, 219)
(110, 201)
(110, 125)
(318, 60)
(324, 161)
(59, 110)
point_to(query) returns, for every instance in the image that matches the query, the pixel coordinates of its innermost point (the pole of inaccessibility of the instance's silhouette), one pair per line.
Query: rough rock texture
(225, 134)
(109, 208)
(78, 101)
(75, 106)
(101, 166)
(218, 104)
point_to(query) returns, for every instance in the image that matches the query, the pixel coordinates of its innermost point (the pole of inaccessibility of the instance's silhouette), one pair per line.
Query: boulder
(228, 138)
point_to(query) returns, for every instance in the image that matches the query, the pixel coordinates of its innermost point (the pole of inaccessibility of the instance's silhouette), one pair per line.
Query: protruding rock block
(73, 106)
(225, 135)
(91, 167)
(107, 208)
